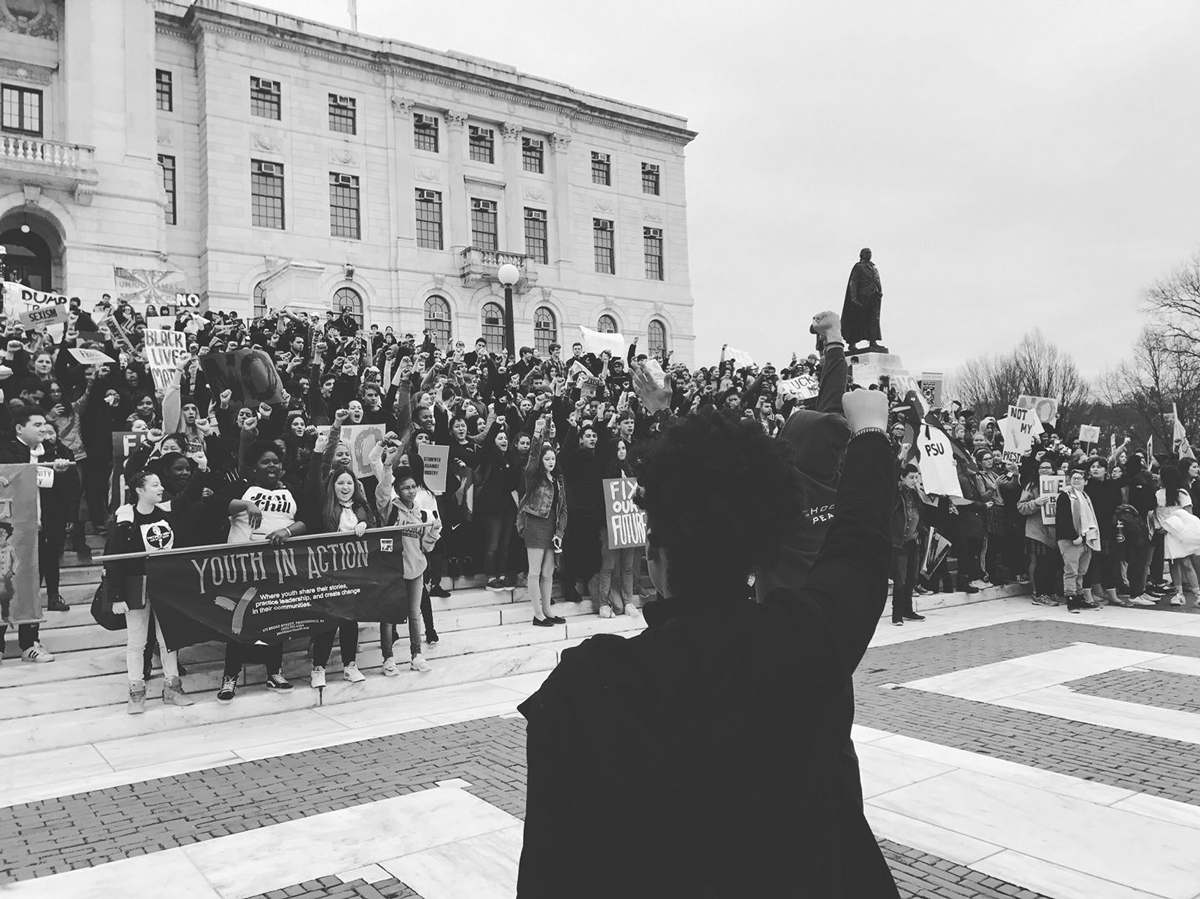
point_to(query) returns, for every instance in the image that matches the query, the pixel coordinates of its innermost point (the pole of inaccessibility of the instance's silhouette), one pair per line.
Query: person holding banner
(542, 522)
(144, 526)
(260, 508)
(1045, 564)
(613, 594)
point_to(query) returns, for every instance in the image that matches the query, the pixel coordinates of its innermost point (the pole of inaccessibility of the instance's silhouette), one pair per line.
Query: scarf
(1088, 527)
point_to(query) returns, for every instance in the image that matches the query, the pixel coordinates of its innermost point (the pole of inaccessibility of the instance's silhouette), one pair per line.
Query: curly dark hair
(720, 495)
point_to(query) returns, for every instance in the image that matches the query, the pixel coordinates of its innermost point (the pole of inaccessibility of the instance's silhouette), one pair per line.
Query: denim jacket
(539, 494)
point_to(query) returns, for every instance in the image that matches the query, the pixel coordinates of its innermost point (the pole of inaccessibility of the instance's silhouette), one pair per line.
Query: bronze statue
(860, 313)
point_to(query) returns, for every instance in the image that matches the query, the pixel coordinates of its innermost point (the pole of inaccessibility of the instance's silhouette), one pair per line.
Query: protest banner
(42, 317)
(626, 522)
(124, 443)
(436, 460)
(91, 357)
(1017, 431)
(147, 286)
(257, 593)
(250, 374)
(932, 385)
(801, 387)
(1050, 485)
(1045, 407)
(1089, 434)
(20, 581)
(18, 297)
(935, 459)
(164, 351)
(117, 334)
(597, 342)
(740, 358)
(361, 439)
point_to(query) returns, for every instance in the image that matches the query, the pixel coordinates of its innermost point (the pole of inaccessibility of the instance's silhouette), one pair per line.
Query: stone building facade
(265, 161)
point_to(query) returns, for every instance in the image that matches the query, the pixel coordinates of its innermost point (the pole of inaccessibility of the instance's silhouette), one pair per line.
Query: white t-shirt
(278, 508)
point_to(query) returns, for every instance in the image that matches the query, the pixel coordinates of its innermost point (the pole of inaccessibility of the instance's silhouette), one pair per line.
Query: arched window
(493, 327)
(606, 324)
(656, 339)
(545, 331)
(348, 298)
(437, 320)
(260, 301)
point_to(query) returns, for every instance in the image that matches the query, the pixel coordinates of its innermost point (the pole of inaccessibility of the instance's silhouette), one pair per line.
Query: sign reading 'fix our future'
(626, 522)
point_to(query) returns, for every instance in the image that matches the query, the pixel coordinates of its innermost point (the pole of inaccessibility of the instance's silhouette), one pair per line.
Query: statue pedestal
(867, 368)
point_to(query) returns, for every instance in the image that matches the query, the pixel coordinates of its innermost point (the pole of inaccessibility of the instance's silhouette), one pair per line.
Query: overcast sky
(1014, 165)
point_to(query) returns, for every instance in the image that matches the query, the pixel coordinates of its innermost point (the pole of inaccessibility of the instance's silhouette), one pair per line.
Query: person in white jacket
(1181, 545)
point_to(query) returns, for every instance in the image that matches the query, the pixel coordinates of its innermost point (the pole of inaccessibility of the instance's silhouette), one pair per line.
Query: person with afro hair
(717, 734)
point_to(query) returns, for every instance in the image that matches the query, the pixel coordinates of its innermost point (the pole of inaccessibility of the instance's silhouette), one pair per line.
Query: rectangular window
(601, 168)
(602, 242)
(264, 98)
(167, 164)
(343, 114)
(21, 110)
(425, 132)
(649, 178)
(165, 90)
(533, 155)
(266, 194)
(483, 225)
(653, 249)
(483, 144)
(429, 219)
(535, 236)
(344, 218)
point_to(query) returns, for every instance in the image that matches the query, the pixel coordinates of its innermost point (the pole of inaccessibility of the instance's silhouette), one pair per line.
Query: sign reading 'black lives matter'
(259, 593)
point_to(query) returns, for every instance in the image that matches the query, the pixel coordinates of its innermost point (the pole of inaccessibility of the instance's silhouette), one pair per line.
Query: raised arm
(833, 367)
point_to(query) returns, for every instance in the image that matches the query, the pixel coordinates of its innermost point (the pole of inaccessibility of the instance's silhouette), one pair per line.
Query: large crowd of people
(530, 441)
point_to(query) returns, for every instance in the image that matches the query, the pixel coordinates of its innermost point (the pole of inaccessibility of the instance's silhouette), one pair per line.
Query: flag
(352, 8)
(1150, 453)
(1179, 436)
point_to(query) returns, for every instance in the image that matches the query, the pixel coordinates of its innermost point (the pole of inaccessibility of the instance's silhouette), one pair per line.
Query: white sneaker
(318, 677)
(1143, 600)
(38, 653)
(979, 584)
(1177, 599)
(419, 664)
(389, 668)
(606, 612)
(632, 611)
(352, 674)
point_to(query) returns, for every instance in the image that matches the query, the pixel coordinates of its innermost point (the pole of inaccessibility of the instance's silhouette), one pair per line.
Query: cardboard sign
(801, 387)
(436, 459)
(740, 358)
(1018, 430)
(1045, 407)
(164, 351)
(1089, 434)
(932, 386)
(42, 317)
(361, 439)
(187, 300)
(124, 444)
(1050, 485)
(91, 357)
(626, 522)
(45, 477)
(597, 342)
(19, 295)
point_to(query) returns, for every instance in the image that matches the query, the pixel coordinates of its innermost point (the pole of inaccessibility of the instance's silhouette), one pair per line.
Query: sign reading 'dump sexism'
(256, 593)
(626, 522)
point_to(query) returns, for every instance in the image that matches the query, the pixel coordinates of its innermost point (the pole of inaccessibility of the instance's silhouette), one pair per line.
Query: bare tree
(1165, 369)
(1035, 367)
(1173, 302)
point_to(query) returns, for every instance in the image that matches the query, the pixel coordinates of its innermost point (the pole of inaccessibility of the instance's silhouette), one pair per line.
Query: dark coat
(736, 774)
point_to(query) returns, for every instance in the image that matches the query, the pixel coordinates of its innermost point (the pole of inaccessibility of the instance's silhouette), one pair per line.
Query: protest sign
(1018, 430)
(42, 317)
(740, 358)
(361, 439)
(18, 297)
(1050, 485)
(117, 334)
(1045, 407)
(1089, 434)
(164, 351)
(124, 443)
(436, 460)
(187, 300)
(932, 385)
(147, 286)
(258, 593)
(91, 357)
(250, 374)
(626, 522)
(935, 459)
(19, 577)
(597, 342)
(801, 387)
(935, 549)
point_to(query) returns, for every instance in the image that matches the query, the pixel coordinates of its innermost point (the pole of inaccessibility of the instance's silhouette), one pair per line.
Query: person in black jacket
(735, 769)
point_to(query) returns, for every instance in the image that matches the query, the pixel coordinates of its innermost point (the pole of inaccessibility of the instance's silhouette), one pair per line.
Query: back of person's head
(706, 462)
(1172, 483)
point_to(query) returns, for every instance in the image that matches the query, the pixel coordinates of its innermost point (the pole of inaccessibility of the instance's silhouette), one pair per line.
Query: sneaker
(278, 683)
(419, 664)
(431, 638)
(543, 622)
(439, 591)
(980, 583)
(897, 623)
(494, 585)
(137, 699)
(913, 617)
(1143, 600)
(1041, 599)
(228, 689)
(57, 604)
(1086, 604)
(1177, 599)
(317, 678)
(1123, 601)
(606, 612)
(632, 611)
(173, 694)
(1022, 579)
(389, 667)
(37, 653)
(968, 588)
(352, 674)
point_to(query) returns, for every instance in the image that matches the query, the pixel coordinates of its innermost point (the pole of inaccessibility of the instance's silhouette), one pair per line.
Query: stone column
(514, 211)
(563, 251)
(457, 202)
(401, 172)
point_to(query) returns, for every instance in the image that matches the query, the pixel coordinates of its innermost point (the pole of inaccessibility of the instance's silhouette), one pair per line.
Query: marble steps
(934, 601)
(535, 650)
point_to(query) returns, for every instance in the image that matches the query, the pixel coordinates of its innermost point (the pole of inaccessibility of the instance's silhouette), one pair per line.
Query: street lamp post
(508, 275)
